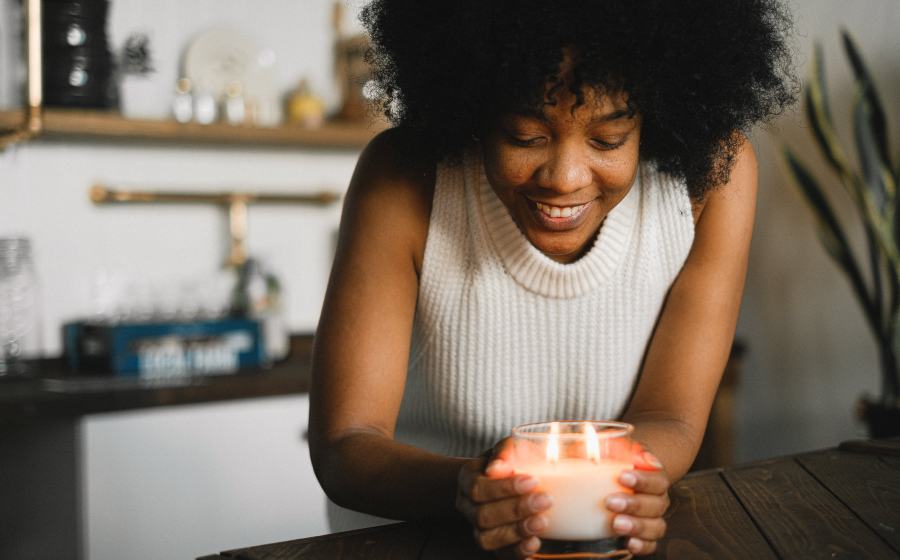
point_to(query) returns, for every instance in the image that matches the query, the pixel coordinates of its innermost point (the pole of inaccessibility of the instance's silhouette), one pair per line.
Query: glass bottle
(20, 314)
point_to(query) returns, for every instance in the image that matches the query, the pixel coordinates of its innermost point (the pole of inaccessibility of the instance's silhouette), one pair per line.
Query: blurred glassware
(183, 102)
(107, 290)
(234, 106)
(257, 295)
(205, 110)
(20, 312)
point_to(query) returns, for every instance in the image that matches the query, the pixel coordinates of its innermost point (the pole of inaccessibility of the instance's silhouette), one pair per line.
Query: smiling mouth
(558, 218)
(561, 211)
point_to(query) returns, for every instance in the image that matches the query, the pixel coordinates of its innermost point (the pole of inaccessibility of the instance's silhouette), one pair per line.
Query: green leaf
(832, 235)
(879, 122)
(819, 116)
(877, 174)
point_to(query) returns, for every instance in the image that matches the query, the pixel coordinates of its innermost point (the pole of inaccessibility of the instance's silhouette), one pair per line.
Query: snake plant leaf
(823, 130)
(819, 116)
(877, 174)
(831, 234)
(864, 79)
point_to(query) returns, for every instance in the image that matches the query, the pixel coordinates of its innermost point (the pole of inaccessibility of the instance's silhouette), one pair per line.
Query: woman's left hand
(640, 515)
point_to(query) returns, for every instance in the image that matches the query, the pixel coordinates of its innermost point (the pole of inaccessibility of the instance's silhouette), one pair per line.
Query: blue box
(164, 349)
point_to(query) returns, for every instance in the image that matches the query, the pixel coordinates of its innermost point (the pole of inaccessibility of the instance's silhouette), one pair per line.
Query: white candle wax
(579, 488)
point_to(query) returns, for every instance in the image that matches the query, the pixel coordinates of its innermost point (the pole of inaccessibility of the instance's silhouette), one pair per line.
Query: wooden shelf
(112, 126)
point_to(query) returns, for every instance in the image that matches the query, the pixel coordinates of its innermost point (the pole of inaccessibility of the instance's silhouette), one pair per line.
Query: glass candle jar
(578, 464)
(20, 324)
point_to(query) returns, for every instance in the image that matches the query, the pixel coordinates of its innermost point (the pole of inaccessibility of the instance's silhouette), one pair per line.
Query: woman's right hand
(504, 507)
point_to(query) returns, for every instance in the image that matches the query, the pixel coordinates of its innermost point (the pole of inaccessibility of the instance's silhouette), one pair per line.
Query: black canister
(78, 63)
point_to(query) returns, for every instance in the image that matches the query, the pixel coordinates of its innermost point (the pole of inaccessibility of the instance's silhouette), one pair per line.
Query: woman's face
(560, 172)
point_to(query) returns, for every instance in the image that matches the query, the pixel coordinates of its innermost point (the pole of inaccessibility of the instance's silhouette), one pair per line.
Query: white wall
(810, 353)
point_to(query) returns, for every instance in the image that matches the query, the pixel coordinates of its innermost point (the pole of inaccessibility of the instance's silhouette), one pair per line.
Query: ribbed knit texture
(504, 335)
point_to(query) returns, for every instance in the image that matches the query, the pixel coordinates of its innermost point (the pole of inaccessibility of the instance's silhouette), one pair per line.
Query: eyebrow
(606, 117)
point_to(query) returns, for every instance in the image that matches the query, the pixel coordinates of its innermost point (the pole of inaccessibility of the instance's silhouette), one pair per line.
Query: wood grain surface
(706, 521)
(395, 542)
(864, 483)
(829, 504)
(799, 517)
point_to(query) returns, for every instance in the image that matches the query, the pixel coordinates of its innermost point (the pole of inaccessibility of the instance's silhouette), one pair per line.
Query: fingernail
(635, 545)
(628, 479)
(531, 545)
(616, 503)
(536, 524)
(526, 484)
(652, 460)
(493, 466)
(540, 502)
(622, 524)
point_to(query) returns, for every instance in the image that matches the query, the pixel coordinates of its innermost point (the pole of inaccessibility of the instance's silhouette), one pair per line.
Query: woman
(557, 227)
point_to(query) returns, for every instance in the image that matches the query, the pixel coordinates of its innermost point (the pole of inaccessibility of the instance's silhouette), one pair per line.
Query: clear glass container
(20, 310)
(578, 464)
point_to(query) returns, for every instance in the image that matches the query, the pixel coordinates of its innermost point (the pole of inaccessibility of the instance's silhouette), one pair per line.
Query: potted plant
(875, 275)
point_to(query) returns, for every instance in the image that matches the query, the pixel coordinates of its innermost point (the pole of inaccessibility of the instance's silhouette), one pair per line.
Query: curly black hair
(698, 71)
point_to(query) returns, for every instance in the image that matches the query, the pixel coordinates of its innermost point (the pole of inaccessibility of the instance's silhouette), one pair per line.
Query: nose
(566, 170)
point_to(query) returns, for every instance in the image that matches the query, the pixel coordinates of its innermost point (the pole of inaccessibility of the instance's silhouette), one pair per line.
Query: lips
(558, 218)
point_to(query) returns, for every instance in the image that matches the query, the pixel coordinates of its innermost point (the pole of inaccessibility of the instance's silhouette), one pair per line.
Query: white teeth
(559, 211)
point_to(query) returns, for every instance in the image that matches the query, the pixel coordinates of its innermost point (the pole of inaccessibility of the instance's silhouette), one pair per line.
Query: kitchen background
(185, 481)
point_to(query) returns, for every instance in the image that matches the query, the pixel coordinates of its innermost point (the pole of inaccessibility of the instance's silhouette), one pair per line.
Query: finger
(645, 482)
(640, 547)
(644, 528)
(639, 505)
(499, 468)
(485, 489)
(514, 510)
(504, 449)
(646, 461)
(501, 537)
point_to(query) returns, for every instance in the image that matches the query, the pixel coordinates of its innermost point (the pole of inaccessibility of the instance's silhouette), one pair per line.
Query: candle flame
(592, 443)
(553, 443)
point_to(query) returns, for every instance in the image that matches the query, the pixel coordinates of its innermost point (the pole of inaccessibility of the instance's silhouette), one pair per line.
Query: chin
(558, 249)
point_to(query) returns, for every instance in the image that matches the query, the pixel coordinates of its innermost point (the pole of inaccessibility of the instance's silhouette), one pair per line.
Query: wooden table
(837, 503)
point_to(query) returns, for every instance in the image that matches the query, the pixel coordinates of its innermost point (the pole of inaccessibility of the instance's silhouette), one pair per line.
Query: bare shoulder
(740, 191)
(391, 192)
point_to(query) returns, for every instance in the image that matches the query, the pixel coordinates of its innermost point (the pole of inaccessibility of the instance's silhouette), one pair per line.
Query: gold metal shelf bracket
(236, 203)
(34, 122)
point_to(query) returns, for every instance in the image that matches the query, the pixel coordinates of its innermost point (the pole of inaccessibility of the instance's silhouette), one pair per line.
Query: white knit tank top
(504, 335)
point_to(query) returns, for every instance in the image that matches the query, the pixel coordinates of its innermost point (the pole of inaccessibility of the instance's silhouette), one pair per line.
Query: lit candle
(578, 477)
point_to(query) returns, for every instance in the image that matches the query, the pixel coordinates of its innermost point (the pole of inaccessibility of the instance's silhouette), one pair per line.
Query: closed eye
(526, 142)
(607, 145)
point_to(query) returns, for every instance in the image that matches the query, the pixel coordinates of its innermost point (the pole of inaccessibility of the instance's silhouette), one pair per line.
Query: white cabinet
(181, 482)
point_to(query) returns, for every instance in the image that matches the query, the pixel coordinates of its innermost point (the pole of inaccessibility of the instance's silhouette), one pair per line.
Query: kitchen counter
(54, 392)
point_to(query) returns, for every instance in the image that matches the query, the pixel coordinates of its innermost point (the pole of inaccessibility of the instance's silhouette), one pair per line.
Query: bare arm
(693, 338)
(362, 345)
